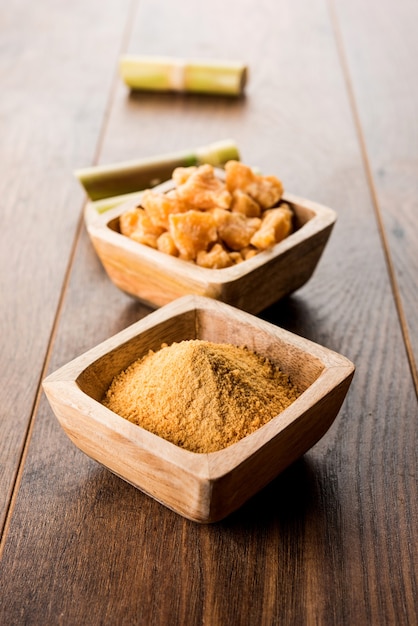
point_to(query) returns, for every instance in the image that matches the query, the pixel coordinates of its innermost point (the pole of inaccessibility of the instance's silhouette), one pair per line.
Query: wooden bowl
(157, 278)
(201, 487)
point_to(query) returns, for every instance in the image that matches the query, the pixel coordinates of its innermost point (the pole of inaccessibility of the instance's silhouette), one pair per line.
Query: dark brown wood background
(331, 108)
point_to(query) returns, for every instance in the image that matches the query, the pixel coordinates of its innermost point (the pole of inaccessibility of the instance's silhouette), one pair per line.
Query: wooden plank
(56, 73)
(324, 543)
(380, 47)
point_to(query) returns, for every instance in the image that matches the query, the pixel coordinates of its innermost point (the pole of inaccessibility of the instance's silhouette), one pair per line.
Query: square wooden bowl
(201, 487)
(157, 278)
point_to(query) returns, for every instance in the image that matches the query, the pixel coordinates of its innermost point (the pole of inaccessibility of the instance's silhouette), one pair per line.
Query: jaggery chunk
(191, 232)
(216, 258)
(235, 229)
(266, 190)
(275, 226)
(128, 221)
(270, 190)
(181, 174)
(248, 252)
(236, 257)
(243, 203)
(137, 225)
(166, 244)
(159, 206)
(202, 190)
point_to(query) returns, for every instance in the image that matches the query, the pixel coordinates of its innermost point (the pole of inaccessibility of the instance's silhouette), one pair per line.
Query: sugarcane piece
(108, 181)
(221, 78)
(172, 74)
(105, 204)
(218, 153)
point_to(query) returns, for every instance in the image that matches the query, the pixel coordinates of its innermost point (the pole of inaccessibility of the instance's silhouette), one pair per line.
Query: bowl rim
(213, 465)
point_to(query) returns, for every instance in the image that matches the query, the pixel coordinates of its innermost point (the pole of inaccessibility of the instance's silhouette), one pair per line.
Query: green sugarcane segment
(105, 204)
(114, 180)
(107, 181)
(147, 73)
(227, 79)
(217, 154)
(172, 74)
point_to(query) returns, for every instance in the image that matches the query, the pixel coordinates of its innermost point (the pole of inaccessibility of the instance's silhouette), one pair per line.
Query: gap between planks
(373, 191)
(126, 34)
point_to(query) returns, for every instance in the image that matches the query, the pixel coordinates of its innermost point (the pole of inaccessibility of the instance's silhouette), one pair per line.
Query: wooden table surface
(331, 107)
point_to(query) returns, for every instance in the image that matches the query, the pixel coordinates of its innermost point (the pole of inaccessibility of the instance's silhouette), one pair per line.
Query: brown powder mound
(200, 395)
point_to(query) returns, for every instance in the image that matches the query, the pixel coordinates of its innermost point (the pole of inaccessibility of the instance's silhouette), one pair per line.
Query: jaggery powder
(201, 396)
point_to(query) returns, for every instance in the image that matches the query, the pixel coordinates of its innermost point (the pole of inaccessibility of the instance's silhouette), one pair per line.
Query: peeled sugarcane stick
(107, 181)
(109, 203)
(170, 74)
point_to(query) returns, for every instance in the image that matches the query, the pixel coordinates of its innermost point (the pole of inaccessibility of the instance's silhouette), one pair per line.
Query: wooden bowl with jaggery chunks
(157, 278)
(203, 487)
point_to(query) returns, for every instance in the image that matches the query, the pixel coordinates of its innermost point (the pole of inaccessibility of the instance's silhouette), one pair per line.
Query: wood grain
(53, 100)
(381, 71)
(332, 540)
